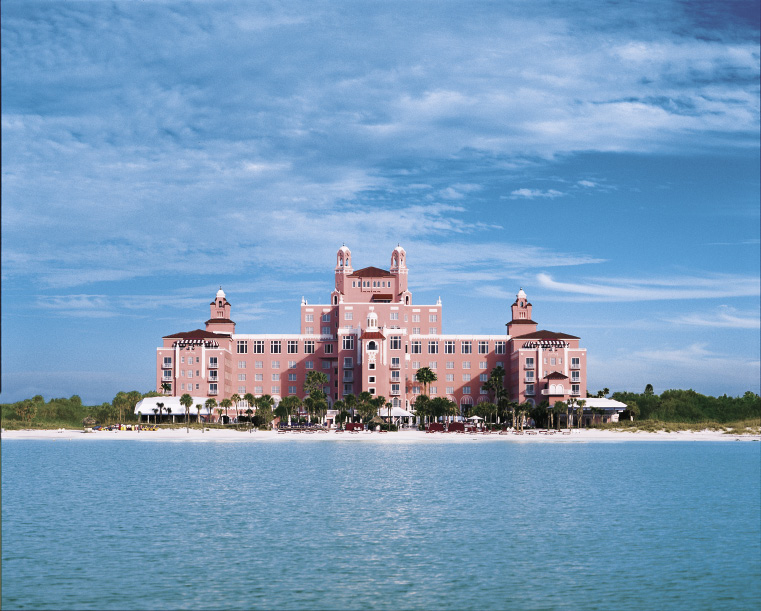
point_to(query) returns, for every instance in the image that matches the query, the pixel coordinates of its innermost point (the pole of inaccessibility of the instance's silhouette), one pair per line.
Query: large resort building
(372, 337)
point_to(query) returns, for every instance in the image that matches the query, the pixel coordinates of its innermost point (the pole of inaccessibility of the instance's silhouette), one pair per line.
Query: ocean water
(307, 524)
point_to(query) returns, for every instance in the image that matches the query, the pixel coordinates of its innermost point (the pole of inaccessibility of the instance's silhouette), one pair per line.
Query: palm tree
(425, 375)
(220, 409)
(388, 407)
(166, 387)
(169, 412)
(580, 412)
(226, 404)
(351, 403)
(155, 411)
(186, 401)
(264, 406)
(235, 399)
(161, 407)
(199, 407)
(211, 403)
(559, 408)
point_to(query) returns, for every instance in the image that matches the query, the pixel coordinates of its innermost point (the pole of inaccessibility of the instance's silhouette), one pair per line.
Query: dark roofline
(373, 272)
(197, 334)
(543, 334)
(222, 320)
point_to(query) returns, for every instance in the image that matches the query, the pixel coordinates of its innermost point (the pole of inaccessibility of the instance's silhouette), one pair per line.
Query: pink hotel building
(371, 337)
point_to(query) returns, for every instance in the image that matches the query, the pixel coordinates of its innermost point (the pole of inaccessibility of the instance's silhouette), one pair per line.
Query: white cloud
(724, 317)
(586, 183)
(692, 287)
(535, 193)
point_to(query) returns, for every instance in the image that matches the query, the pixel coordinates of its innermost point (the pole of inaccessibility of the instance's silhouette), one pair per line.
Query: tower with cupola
(399, 270)
(521, 322)
(343, 268)
(219, 315)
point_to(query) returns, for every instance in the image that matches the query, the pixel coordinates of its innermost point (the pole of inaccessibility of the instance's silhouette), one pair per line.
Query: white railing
(560, 391)
(529, 380)
(213, 364)
(575, 366)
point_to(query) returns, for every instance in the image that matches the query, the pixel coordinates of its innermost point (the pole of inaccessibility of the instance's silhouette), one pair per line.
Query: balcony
(167, 375)
(529, 380)
(213, 392)
(529, 367)
(349, 377)
(213, 364)
(212, 376)
(529, 393)
(576, 366)
(575, 393)
(554, 392)
(395, 391)
(395, 365)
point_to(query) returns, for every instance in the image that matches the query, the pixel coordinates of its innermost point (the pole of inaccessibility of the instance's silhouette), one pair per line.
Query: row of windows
(326, 364)
(310, 317)
(378, 284)
(575, 361)
(292, 346)
(466, 347)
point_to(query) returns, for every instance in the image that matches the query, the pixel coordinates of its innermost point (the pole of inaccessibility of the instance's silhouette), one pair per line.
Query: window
(432, 365)
(416, 390)
(309, 318)
(182, 359)
(275, 377)
(500, 347)
(348, 362)
(433, 347)
(529, 376)
(432, 330)
(416, 364)
(416, 347)
(529, 389)
(575, 376)
(484, 391)
(348, 315)
(348, 342)
(371, 379)
(275, 347)
(291, 364)
(552, 361)
(292, 390)
(242, 346)
(466, 364)
(258, 346)
(415, 331)
(450, 364)
(325, 330)
(275, 364)
(433, 318)
(326, 317)
(395, 375)
(326, 365)
(190, 373)
(167, 361)
(530, 362)
(466, 347)
(395, 342)
(328, 348)
(450, 390)
(482, 365)
(371, 391)
(449, 347)
(560, 361)
(258, 390)
(483, 347)
(394, 315)
(308, 330)
(433, 390)
(212, 389)
(275, 389)
(182, 386)
(450, 377)
(258, 377)
(309, 364)
(190, 360)
(309, 346)
(259, 364)
(241, 390)
(348, 389)
(574, 389)
(466, 377)
(241, 364)
(575, 363)
(466, 390)
(395, 361)
(241, 377)
(484, 377)
(416, 318)
(395, 389)
(499, 364)
(293, 346)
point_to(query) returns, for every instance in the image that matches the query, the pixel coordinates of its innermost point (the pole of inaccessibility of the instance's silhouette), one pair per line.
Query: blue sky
(604, 156)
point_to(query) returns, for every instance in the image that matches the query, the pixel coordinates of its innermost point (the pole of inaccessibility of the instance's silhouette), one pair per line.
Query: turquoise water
(309, 524)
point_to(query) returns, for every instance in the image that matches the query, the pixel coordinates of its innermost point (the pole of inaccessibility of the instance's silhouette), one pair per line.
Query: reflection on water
(300, 525)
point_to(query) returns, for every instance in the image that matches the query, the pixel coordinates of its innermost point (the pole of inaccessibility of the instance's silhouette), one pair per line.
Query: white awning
(396, 412)
(147, 405)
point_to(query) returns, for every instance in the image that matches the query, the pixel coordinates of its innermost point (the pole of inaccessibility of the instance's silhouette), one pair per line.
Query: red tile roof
(545, 335)
(375, 272)
(522, 321)
(380, 297)
(197, 334)
(219, 320)
(372, 335)
(555, 375)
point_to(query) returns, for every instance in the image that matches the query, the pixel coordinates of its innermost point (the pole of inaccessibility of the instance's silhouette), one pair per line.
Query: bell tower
(521, 324)
(343, 268)
(399, 269)
(219, 311)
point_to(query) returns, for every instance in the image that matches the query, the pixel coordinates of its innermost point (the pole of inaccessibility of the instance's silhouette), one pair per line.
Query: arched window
(372, 346)
(335, 299)
(407, 300)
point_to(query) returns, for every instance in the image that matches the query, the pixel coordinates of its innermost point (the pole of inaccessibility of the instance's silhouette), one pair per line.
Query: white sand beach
(231, 435)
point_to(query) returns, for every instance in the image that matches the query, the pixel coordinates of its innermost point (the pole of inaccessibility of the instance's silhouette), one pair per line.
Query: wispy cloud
(626, 289)
(535, 193)
(723, 317)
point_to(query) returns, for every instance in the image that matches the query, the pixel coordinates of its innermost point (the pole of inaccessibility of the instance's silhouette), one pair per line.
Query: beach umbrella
(475, 418)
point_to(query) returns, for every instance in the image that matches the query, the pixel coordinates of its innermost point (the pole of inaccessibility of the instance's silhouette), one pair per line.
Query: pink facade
(370, 336)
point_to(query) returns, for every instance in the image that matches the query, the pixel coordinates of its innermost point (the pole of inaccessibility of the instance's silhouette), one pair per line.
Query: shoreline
(232, 436)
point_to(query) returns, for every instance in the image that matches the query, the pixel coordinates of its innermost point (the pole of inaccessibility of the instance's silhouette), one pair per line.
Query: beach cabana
(145, 407)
